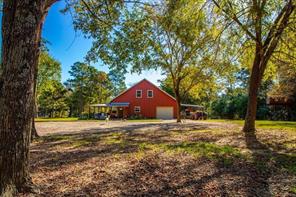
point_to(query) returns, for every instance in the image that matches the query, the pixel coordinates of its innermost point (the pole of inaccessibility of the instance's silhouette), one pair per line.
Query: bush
(84, 116)
(230, 107)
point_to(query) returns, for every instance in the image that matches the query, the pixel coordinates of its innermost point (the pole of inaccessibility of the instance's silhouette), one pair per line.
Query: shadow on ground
(163, 160)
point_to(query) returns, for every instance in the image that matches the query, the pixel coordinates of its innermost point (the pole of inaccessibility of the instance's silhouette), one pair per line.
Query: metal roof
(117, 104)
(113, 104)
(98, 105)
(191, 105)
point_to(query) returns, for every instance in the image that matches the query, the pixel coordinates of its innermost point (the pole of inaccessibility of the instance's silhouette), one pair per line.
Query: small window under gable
(138, 93)
(149, 93)
(137, 109)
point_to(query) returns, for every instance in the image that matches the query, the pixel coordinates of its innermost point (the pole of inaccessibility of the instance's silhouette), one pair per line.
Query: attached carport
(189, 111)
(115, 109)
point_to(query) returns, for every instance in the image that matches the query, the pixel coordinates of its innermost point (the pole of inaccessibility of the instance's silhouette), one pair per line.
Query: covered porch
(195, 112)
(113, 110)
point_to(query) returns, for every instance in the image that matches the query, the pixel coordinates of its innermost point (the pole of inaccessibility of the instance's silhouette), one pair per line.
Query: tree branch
(141, 2)
(49, 3)
(234, 17)
(92, 13)
(276, 24)
(275, 37)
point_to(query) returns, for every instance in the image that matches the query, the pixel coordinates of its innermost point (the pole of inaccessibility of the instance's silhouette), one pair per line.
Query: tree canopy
(175, 37)
(88, 85)
(261, 25)
(50, 92)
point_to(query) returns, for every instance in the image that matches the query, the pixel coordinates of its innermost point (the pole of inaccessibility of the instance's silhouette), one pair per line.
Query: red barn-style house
(144, 100)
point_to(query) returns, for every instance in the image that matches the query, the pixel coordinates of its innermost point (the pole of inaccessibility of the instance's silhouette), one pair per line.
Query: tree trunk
(34, 133)
(21, 30)
(254, 84)
(70, 111)
(178, 99)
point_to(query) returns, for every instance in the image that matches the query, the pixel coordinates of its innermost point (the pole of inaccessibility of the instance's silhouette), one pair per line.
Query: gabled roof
(139, 83)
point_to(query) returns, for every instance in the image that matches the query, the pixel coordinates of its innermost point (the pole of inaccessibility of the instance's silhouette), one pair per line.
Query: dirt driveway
(46, 128)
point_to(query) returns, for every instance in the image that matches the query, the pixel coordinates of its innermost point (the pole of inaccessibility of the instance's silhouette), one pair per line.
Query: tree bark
(178, 99)
(34, 133)
(262, 56)
(254, 83)
(266, 45)
(178, 111)
(22, 24)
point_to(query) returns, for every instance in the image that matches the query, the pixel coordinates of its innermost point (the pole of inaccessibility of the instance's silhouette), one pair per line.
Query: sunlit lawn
(266, 124)
(55, 119)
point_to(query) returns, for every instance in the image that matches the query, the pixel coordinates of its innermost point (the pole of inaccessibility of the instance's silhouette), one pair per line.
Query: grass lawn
(167, 159)
(266, 124)
(55, 119)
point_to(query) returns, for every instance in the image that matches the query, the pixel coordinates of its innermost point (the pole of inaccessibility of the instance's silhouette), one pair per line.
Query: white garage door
(164, 112)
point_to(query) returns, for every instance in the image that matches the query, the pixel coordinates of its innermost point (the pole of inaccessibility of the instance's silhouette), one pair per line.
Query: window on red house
(138, 93)
(137, 109)
(150, 93)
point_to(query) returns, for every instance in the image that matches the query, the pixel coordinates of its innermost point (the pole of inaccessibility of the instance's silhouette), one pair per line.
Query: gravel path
(46, 128)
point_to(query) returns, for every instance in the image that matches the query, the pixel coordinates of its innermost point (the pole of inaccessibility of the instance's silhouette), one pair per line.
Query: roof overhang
(118, 104)
(191, 105)
(99, 105)
(280, 100)
(112, 104)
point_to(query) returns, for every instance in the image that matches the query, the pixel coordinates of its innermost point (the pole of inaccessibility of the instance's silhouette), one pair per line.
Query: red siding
(148, 105)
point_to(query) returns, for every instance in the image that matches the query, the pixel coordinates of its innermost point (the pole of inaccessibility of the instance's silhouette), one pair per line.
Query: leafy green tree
(230, 106)
(50, 93)
(260, 24)
(88, 85)
(172, 36)
(49, 70)
(118, 81)
(199, 91)
(52, 101)
(100, 20)
(232, 103)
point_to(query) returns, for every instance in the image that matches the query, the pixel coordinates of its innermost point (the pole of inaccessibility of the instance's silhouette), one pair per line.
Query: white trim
(148, 94)
(139, 109)
(124, 91)
(160, 89)
(139, 83)
(137, 93)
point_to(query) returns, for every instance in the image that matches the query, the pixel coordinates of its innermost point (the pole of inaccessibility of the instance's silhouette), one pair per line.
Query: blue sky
(68, 46)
